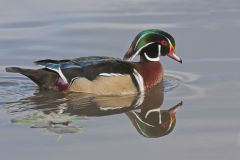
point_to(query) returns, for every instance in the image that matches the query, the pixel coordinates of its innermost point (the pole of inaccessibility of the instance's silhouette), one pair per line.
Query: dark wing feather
(88, 67)
(93, 60)
(80, 62)
(91, 72)
(46, 61)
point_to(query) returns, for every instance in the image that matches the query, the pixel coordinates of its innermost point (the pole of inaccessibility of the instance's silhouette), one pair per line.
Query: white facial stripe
(169, 41)
(156, 58)
(155, 110)
(140, 39)
(139, 118)
(133, 56)
(139, 80)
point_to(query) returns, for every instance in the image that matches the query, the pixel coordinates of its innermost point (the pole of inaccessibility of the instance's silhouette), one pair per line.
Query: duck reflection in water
(56, 111)
(154, 123)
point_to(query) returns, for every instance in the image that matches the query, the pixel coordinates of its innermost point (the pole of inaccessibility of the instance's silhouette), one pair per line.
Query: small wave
(170, 82)
(13, 88)
(186, 81)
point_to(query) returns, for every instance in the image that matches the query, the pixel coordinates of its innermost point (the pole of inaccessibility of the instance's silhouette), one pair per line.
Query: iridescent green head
(150, 45)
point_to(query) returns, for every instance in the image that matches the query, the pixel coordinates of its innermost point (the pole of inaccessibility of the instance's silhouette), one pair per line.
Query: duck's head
(150, 45)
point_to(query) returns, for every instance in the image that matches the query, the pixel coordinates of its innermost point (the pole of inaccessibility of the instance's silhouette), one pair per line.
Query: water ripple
(13, 88)
(186, 81)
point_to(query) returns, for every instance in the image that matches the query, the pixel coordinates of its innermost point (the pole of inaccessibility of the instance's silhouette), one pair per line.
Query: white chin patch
(156, 58)
(151, 59)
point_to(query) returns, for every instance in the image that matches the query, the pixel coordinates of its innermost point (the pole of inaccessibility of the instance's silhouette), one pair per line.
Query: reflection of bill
(56, 111)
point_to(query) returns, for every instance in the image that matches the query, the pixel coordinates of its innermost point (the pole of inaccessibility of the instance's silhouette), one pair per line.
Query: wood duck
(107, 75)
(144, 111)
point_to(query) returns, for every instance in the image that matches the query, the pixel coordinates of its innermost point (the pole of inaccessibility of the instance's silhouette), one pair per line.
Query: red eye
(164, 42)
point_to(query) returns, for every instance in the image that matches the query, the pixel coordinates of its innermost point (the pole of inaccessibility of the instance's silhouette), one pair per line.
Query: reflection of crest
(56, 111)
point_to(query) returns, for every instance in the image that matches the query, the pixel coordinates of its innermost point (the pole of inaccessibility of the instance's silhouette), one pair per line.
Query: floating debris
(53, 122)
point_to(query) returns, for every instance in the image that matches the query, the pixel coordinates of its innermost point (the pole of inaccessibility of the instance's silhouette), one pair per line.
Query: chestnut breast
(152, 73)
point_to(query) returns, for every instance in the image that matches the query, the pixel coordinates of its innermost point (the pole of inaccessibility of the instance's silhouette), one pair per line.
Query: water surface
(47, 125)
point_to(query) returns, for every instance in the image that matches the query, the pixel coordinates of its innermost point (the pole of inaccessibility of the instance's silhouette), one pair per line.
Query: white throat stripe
(156, 58)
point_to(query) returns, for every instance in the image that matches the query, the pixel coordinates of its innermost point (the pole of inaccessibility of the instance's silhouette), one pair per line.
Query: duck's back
(97, 75)
(100, 75)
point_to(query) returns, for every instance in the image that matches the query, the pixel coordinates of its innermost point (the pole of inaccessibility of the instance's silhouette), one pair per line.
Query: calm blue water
(48, 125)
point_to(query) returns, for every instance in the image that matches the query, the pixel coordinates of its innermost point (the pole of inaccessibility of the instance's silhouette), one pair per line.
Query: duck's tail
(45, 79)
